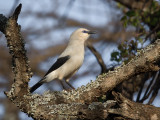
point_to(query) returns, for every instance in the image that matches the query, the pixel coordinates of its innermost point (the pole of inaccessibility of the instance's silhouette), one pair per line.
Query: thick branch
(134, 111)
(93, 111)
(19, 60)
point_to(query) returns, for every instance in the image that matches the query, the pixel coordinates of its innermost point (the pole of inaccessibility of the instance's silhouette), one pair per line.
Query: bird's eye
(84, 31)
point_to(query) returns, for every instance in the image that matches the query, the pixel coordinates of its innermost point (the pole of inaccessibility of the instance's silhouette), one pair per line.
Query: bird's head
(81, 34)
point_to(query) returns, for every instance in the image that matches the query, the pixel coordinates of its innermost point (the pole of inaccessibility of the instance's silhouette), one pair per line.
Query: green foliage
(154, 6)
(131, 13)
(125, 51)
(131, 18)
(139, 19)
(128, 48)
(115, 56)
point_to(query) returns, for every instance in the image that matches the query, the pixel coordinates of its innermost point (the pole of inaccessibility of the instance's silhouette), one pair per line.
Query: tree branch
(134, 111)
(98, 57)
(19, 60)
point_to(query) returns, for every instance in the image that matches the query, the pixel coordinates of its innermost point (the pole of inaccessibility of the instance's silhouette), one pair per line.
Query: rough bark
(68, 104)
(135, 111)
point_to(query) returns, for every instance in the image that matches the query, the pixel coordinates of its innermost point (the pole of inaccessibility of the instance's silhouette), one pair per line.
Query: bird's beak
(92, 32)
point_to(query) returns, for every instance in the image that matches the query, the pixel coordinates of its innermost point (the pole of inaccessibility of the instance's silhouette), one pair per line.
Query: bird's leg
(61, 82)
(67, 81)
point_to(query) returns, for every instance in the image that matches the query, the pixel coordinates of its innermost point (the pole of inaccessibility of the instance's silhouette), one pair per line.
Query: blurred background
(46, 27)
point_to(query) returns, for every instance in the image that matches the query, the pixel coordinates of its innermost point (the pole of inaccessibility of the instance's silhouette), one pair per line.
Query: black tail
(37, 85)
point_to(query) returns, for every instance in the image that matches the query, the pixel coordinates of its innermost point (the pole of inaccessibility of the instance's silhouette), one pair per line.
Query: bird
(69, 61)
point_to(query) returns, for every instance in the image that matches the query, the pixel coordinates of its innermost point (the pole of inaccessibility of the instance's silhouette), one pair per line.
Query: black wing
(56, 65)
(60, 61)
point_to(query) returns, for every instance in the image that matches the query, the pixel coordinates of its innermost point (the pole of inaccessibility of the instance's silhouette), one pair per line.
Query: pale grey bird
(69, 61)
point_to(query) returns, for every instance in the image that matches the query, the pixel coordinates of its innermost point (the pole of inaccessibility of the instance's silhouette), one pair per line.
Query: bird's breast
(76, 53)
(71, 66)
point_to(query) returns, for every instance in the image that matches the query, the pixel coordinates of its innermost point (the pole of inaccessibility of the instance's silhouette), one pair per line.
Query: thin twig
(146, 96)
(155, 90)
(142, 86)
(149, 86)
(98, 57)
(151, 32)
